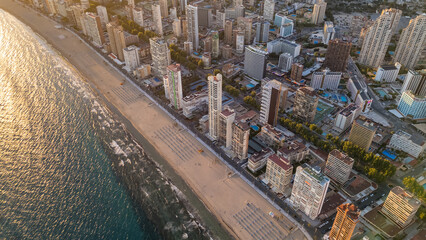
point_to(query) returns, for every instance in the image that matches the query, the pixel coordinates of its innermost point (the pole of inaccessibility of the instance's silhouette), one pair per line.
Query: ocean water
(68, 168)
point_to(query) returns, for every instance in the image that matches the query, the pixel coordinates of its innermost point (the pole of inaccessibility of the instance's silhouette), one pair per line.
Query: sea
(68, 168)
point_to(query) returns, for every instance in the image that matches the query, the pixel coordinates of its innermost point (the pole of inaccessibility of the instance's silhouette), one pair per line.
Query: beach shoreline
(223, 196)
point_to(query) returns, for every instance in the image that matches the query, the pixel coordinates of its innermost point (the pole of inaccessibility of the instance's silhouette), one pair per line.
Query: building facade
(415, 82)
(192, 20)
(131, 57)
(173, 85)
(362, 133)
(296, 72)
(387, 73)
(305, 104)
(161, 58)
(400, 206)
(412, 42)
(271, 97)
(346, 116)
(377, 38)
(226, 119)
(309, 190)
(268, 10)
(338, 166)
(412, 106)
(278, 173)
(92, 27)
(281, 45)
(156, 18)
(345, 221)
(336, 57)
(285, 61)
(255, 62)
(240, 139)
(318, 13)
(262, 31)
(408, 143)
(329, 32)
(326, 80)
(215, 104)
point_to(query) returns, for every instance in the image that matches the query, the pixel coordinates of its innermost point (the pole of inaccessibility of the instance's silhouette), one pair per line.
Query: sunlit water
(68, 169)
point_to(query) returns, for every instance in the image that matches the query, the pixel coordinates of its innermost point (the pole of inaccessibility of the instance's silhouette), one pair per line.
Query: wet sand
(228, 198)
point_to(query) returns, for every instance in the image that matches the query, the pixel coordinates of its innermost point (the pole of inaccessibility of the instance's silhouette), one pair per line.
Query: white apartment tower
(177, 27)
(131, 57)
(160, 53)
(226, 119)
(103, 14)
(92, 28)
(138, 16)
(173, 85)
(156, 18)
(285, 61)
(192, 20)
(329, 32)
(326, 80)
(377, 38)
(268, 10)
(412, 42)
(309, 190)
(319, 12)
(215, 104)
(415, 82)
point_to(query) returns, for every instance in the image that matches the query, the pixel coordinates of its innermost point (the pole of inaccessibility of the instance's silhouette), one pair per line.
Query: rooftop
(414, 138)
(388, 67)
(406, 195)
(292, 147)
(349, 109)
(315, 172)
(351, 210)
(366, 123)
(256, 157)
(284, 163)
(308, 91)
(227, 112)
(341, 156)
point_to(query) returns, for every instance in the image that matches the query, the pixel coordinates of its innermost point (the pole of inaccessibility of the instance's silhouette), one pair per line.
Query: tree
(216, 71)
(253, 93)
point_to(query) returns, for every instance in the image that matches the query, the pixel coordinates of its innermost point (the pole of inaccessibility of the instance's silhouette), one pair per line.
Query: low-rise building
(143, 71)
(408, 143)
(338, 166)
(278, 173)
(387, 73)
(294, 151)
(194, 102)
(271, 136)
(258, 160)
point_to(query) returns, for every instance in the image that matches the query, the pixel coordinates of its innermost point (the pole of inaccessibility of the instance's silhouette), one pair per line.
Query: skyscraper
(215, 44)
(296, 72)
(239, 42)
(173, 85)
(248, 23)
(285, 61)
(412, 42)
(103, 14)
(271, 97)
(92, 28)
(138, 16)
(156, 18)
(131, 57)
(215, 104)
(177, 28)
(192, 20)
(400, 206)
(255, 62)
(226, 119)
(336, 57)
(309, 190)
(160, 53)
(262, 31)
(228, 32)
(268, 10)
(415, 82)
(344, 224)
(240, 139)
(116, 39)
(362, 133)
(305, 104)
(319, 12)
(377, 38)
(329, 32)
(164, 8)
(338, 166)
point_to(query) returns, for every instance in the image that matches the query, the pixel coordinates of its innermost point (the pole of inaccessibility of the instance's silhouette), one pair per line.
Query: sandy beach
(242, 211)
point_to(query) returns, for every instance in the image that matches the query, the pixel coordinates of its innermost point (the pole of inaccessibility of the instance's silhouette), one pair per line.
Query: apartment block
(345, 221)
(326, 80)
(305, 104)
(226, 119)
(338, 166)
(362, 133)
(411, 144)
(240, 139)
(278, 173)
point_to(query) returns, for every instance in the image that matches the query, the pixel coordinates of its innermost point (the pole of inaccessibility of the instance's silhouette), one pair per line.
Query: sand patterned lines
(179, 143)
(128, 94)
(258, 224)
